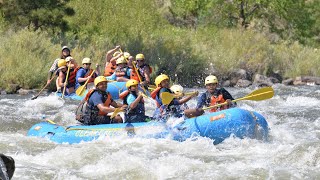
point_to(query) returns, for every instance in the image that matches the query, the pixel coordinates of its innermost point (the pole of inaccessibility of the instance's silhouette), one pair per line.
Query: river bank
(240, 78)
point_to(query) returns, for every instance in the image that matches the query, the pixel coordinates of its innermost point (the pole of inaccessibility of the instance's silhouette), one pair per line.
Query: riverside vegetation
(186, 39)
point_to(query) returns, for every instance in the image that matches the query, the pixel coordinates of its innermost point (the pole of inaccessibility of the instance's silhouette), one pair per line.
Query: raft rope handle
(119, 89)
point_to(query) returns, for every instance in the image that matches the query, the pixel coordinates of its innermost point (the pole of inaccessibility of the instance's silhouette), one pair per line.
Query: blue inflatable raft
(217, 126)
(115, 88)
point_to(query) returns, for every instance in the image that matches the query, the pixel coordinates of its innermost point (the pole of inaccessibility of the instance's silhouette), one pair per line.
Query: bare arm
(105, 109)
(136, 102)
(111, 52)
(84, 79)
(147, 76)
(187, 98)
(61, 79)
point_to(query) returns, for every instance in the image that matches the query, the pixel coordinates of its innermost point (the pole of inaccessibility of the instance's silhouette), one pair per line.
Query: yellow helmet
(139, 57)
(210, 79)
(176, 89)
(86, 60)
(116, 53)
(62, 63)
(69, 58)
(160, 78)
(126, 55)
(131, 82)
(99, 79)
(121, 60)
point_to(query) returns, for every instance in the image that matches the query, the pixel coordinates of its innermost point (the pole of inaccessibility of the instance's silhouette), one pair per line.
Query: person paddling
(84, 73)
(98, 103)
(122, 71)
(62, 82)
(71, 61)
(143, 70)
(214, 95)
(111, 57)
(65, 52)
(178, 90)
(173, 108)
(134, 99)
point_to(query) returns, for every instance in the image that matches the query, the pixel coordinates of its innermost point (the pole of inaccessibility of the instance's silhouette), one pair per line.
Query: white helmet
(211, 80)
(176, 89)
(69, 58)
(86, 60)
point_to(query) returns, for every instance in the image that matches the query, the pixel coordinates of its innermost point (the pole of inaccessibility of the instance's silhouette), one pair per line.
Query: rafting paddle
(81, 90)
(152, 87)
(35, 97)
(115, 112)
(256, 95)
(168, 97)
(66, 80)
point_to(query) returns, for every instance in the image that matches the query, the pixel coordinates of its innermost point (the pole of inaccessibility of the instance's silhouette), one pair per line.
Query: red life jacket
(106, 103)
(72, 76)
(92, 77)
(217, 100)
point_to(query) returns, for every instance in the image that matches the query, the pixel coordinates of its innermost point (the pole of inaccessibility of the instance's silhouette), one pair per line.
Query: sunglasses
(140, 60)
(87, 63)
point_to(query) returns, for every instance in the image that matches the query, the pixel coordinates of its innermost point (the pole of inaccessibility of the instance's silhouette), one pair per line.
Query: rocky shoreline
(239, 78)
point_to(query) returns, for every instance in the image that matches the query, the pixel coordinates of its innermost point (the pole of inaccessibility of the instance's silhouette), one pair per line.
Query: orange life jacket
(110, 68)
(134, 75)
(106, 103)
(217, 100)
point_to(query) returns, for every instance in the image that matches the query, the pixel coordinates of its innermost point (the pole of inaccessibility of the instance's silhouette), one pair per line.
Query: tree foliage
(37, 14)
(291, 19)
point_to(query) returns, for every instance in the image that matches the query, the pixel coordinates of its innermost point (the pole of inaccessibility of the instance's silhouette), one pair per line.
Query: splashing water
(293, 151)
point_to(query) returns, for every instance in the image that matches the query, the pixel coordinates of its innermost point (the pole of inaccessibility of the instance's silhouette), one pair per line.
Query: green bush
(25, 58)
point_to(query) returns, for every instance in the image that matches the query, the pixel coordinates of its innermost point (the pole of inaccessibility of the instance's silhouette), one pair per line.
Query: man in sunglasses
(85, 73)
(215, 95)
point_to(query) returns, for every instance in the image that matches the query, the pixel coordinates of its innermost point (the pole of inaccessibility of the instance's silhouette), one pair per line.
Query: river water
(292, 152)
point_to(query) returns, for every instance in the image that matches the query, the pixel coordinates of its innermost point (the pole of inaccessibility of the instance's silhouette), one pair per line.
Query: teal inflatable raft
(115, 88)
(216, 126)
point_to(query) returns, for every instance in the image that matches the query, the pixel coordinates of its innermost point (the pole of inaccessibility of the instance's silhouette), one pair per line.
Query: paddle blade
(35, 97)
(81, 90)
(167, 98)
(257, 95)
(260, 94)
(115, 113)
